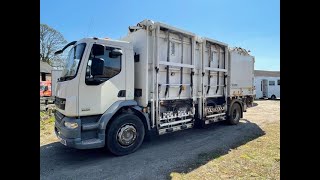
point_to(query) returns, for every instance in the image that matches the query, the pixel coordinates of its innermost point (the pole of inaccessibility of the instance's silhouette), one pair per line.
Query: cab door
(98, 92)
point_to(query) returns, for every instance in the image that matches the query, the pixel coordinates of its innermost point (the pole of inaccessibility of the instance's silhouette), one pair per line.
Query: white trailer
(158, 79)
(267, 84)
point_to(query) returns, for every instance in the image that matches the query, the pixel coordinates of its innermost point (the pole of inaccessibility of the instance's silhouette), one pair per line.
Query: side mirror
(97, 66)
(115, 53)
(98, 50)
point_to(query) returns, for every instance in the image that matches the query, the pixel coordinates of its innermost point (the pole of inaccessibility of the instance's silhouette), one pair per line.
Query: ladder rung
(175, 122)
(173, 68)
(176, 84)
(176, 64)
(215, 115)
(215, 86)
(210, 96)
(173, 98)
(215, 69)
(175, 128)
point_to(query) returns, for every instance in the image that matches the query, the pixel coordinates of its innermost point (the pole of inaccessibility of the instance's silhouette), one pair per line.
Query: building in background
(267, 84)
(45, 71)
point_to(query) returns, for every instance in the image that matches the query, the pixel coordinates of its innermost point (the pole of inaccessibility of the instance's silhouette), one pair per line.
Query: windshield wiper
(65, 78)
(65, 47)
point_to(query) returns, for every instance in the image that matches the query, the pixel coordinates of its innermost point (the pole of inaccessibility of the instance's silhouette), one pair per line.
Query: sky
(251, 24)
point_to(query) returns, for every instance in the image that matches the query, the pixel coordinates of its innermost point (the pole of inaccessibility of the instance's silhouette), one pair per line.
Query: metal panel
(175, 64)
(214, 68)
(241, 72)
(140, 42)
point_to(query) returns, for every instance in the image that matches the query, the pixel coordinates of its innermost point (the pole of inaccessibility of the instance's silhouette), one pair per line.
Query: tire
(125, 126)
(199, 124)
(235, 114)
(273, 97)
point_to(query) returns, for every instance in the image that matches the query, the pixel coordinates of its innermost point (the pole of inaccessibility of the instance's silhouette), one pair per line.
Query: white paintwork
(153, 49)
(271, 90)
(83, 100)
(159, 49)
(99, 98)
(217, 57)
(55, 74)
(241, 73)
(186, 50)
(154, 53)
(69, 91)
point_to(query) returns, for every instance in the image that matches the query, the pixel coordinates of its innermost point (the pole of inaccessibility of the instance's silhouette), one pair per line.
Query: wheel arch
(120, 107)
(137, 110)
(113, 111)
(232, 102)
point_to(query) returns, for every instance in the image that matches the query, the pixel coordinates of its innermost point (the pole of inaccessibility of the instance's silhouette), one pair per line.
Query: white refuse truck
(156, 80)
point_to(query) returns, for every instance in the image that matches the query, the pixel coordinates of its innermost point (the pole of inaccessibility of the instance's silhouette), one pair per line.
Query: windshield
(72, 62)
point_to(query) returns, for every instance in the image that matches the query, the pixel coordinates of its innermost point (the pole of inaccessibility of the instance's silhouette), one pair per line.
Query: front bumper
(72, 137)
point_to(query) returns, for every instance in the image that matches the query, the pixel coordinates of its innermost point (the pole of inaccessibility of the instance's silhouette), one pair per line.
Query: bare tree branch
(50, 41)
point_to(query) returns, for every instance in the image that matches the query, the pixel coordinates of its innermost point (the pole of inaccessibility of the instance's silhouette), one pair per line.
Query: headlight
(71, 125)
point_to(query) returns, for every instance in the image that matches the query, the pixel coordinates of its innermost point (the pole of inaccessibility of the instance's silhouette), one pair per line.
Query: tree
(51, 40)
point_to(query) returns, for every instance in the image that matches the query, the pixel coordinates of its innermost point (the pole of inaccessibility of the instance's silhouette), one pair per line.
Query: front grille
(60, 103)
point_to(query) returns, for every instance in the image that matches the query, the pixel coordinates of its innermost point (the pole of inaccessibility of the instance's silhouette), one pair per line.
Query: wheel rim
(126, 135)
(235, 114)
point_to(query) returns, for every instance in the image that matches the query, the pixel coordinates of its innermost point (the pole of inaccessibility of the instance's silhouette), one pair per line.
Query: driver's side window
(112, 65)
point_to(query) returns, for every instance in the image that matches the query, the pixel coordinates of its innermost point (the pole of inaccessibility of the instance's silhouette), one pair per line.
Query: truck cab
(98, 76)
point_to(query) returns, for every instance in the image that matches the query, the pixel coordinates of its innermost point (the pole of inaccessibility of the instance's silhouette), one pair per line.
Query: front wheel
(125, 134)
(273, 97)
(235, 114)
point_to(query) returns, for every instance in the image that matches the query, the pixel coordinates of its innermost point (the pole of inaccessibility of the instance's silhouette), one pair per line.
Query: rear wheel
(273, 97)
(235, 114)
(125, 134)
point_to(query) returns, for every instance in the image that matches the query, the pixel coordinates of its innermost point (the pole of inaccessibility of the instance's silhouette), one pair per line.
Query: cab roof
(111, 41)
